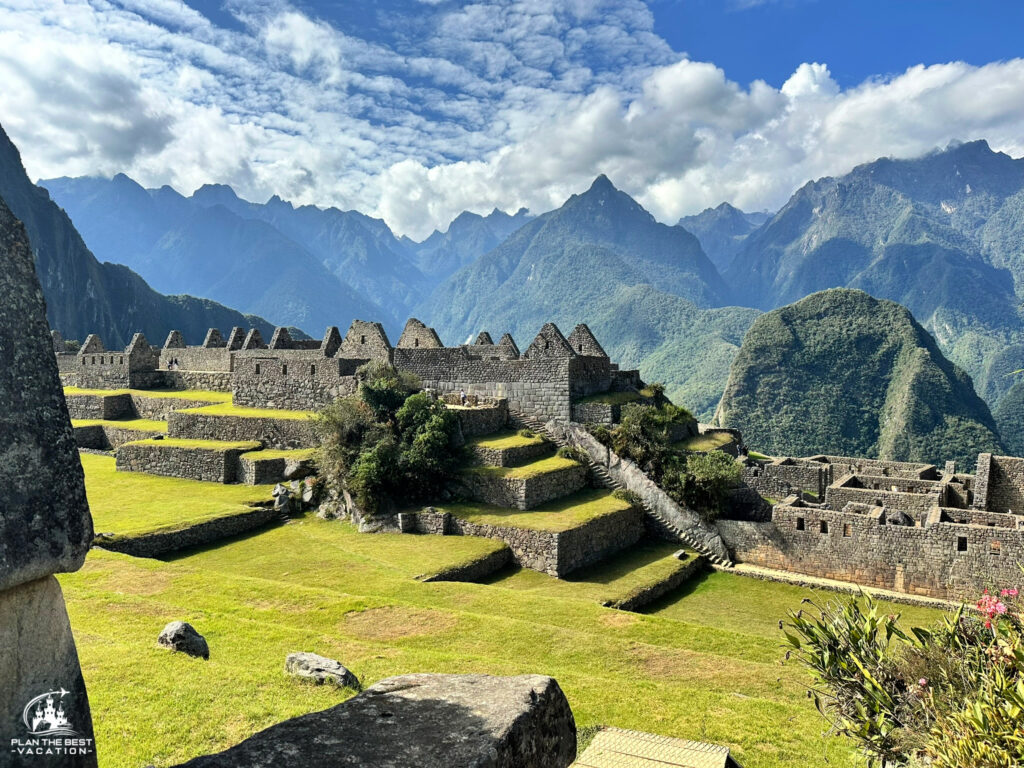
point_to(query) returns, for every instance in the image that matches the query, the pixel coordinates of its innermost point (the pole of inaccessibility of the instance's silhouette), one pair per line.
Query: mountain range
(85, 296)
(941, 235)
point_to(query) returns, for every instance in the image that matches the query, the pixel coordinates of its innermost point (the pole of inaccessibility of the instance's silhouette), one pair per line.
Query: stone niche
(45, 527)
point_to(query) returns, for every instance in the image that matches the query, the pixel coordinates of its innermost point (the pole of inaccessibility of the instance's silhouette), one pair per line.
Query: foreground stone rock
(45, 528)
(182, 637)
(426, 721)
(320, 670)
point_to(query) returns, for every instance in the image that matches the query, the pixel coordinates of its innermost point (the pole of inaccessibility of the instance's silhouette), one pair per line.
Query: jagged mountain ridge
(84, 296)
(845, 373)
(938, 234)
(722, 230)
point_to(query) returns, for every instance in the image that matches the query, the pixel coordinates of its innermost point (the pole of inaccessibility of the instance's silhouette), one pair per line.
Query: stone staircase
(601, 475)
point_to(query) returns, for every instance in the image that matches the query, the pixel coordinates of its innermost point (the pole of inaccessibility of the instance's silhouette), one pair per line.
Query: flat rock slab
(320, 670)
(426, 721)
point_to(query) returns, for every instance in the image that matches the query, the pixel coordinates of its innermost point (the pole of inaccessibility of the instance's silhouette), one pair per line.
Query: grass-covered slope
(842, 372)
(711, 672)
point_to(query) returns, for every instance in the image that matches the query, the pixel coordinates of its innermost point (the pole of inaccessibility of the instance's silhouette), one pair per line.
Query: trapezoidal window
(995, 548)
(823, 526)
(961, 543)
(121, 361)
(847, 530)
(284, 369)
(257, 369)
(362, 339)
(312, 370)
(800, 524)
(415, 342)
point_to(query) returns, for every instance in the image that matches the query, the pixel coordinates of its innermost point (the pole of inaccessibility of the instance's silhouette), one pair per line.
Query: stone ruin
(543, 381)
(909, 527)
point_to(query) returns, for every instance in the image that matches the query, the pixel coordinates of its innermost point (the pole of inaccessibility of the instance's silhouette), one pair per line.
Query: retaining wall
(159, 543)
(273, 433)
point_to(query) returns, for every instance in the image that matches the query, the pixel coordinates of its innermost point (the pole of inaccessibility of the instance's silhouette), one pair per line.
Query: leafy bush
(627, 495)
(950, 697)
(527, 433)
(701, 481)
(385, 445)
(572, 452)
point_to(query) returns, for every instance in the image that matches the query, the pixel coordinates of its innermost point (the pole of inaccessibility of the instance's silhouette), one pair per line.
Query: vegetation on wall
(701, 481)
(388, 443)
(947, 697)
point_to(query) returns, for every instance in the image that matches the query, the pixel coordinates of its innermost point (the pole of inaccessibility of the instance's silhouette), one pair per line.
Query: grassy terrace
(558, 515)
(202, 445)
(227, 409)
(616, 398)
(501, 441)
(142, 425)
(298, 453)
(184, 394)
(133, 502)
(704, 666)
(705, 443)
(642, 565)
(523, 471)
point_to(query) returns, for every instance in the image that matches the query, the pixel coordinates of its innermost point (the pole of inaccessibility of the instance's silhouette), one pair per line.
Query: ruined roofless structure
(541, 381)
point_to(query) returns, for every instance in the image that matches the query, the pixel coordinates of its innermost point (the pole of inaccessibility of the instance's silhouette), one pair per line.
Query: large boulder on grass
(427, 721)
(320, 670)
(182, 637)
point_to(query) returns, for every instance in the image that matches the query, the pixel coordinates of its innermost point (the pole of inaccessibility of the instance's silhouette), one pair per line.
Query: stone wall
(923, 498)
(597, 539)
(304, 382)
(198, 358)
(273, 433)
(254, 470)
(596, 413)
(1000, 483)
(523, 492)
(652, 592)
(538, 386)
(939, 559)
(213, 465)
(162, 542)
(483, 419)
(511, 457)
(476, 570)
(212, 381)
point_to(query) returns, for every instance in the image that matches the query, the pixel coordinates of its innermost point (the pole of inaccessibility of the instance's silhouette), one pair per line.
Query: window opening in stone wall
(546, 343)
(312, 370)
(284, 369)
(257, 369)
(799, 523)
(961, 543)
(994, 548)
(121, 360)
(101, 359)
(362, 339)
(847, 530)
(83, 361)
(415, 342)
(824, 526)
(94, 359)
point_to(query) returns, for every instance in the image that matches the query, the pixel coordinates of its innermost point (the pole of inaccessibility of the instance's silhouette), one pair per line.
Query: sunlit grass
(141, 425)
(184, 394)
(558, 515)
(228, 409)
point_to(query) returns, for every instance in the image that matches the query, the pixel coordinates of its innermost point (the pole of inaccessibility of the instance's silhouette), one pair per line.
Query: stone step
(276, 429)
(213, 461)
(526, 486)
(264, 467)
(509, 449)
(109, 434)
(557, 538)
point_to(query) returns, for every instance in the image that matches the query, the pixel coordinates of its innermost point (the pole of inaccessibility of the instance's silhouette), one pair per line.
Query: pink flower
(1008, 593)
(923, 682)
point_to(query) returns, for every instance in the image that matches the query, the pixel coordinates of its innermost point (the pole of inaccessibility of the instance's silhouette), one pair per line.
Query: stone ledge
(161, 542)
(273, 433)
(523, 492)
(171, 458)
(426, 721)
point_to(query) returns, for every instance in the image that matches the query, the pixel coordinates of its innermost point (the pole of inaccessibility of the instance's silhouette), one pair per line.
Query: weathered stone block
(427, 721)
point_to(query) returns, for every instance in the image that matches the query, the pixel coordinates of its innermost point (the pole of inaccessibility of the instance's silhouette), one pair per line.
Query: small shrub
(629, 496)
(527, 433)
(572, 452)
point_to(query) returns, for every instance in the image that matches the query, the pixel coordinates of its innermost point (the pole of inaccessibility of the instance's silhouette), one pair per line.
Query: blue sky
(414, 110)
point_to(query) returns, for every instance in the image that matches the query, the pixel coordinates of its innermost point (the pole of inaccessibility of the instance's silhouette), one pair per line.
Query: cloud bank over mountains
(420, 111)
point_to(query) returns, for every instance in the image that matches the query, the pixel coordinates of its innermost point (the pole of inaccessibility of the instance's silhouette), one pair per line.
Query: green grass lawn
(184, 394)
(228, 409)
(612, 398)
(523, 471)
(501, 441)
(142, 425)
(319, 586)
(202, 445)
(133, 502)
(559, 515)
(629, 571)
(704, 443)
(283, 453)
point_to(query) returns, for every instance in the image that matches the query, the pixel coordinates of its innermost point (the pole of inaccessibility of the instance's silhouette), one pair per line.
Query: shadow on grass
(181, 554)
(683, 591)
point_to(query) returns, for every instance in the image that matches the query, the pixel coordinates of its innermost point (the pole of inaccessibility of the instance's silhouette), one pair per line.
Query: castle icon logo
(45, 715)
